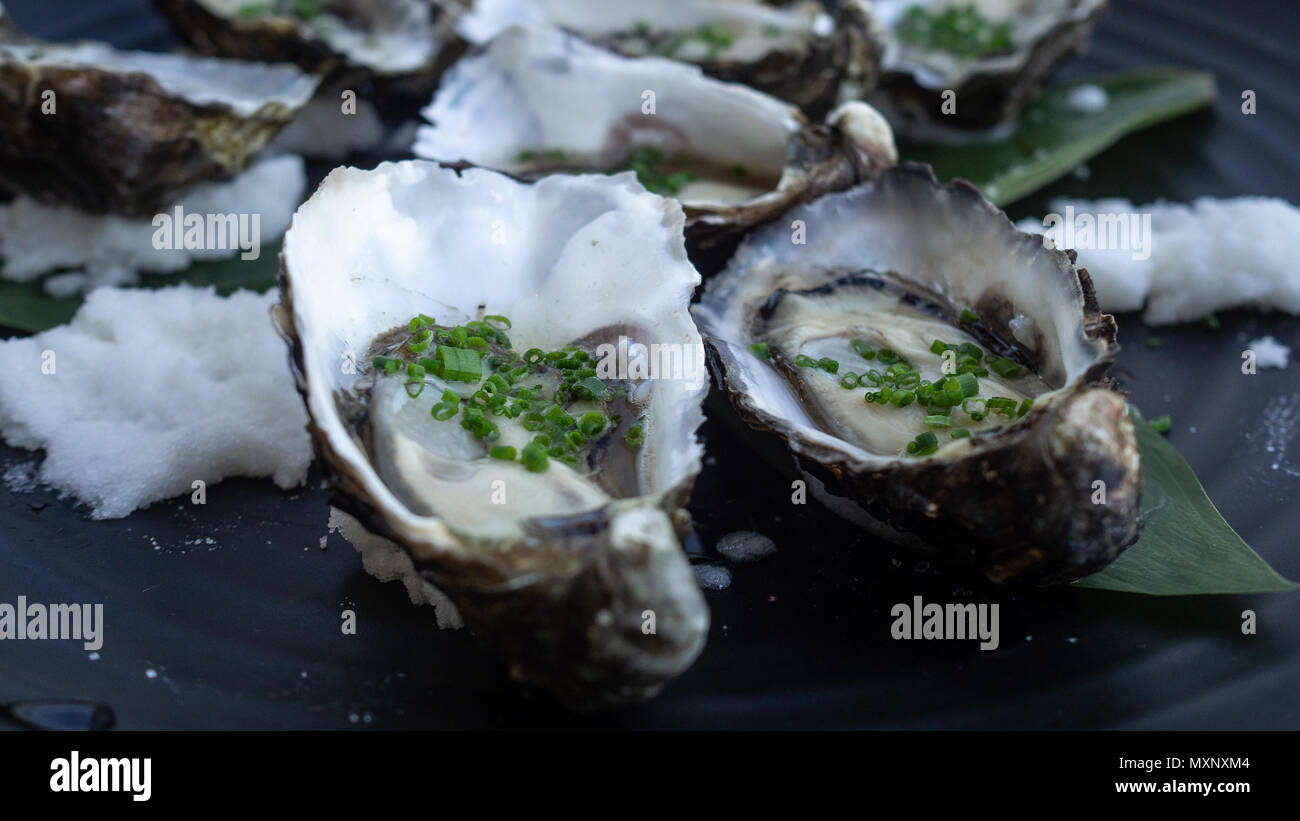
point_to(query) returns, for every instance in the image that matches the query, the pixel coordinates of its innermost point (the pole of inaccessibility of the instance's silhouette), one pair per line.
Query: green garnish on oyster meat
(884, 350)
(539, 411)
(302, 9)
(956, 29)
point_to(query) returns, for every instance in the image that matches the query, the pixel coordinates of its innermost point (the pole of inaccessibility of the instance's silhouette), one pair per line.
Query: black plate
(244, 633)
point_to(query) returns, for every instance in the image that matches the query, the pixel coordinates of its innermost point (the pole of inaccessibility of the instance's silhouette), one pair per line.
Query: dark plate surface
(243, 632)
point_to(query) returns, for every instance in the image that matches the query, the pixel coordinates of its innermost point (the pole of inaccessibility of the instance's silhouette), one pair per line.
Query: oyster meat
(994, 54)
(484, 426)
(123, 132)
(938, 376)
(399, 46)
(798, 52)
(538, 100)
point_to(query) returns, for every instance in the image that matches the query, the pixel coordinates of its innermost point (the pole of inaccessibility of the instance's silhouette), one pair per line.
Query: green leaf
(25, 307)
(1186, 547)
(1053, 139)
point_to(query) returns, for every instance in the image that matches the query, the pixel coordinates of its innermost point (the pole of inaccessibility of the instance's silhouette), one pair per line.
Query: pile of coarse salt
(1183, 261)
(146, 392)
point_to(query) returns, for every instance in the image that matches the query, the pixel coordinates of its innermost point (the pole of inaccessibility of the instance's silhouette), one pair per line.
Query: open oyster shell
(894, 263)
(123, 131)
(399, 46)
(990, 90)
(561, 582)
(538, 100)
(798, 52)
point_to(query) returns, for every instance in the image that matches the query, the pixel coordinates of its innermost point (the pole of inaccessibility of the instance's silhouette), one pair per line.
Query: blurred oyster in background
(124, 132)
(538, 100)
(993, 55)
(382, 47)
(798, 52)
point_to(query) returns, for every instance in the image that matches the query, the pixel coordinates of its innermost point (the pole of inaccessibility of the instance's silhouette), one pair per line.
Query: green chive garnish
(1162, 424)
(829, 365)
(592, 424)
(1001, 404)
(634, 436)
(968, 316)
(938, 420)
(460, 364)
(505, 453)
(960, 433)
(1005, 368)
(924, 444)
(535, 458)
(761, 350)
(968, 383)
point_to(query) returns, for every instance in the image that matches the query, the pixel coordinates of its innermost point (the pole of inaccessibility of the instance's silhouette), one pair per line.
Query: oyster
(124, 132)
(547, 506)
(797, 52)
(995, 54)
(538, 100)
(937, 375)
(399, 46)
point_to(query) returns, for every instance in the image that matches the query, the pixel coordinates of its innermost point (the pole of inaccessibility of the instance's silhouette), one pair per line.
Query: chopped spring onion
(592, 424)
(634, 436)
(924, 444)
(534, 457)
(1005, 368)
(862, 349)
(460, 364)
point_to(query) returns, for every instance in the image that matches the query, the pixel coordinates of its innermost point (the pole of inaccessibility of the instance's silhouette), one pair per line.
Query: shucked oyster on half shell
(398, 45)
(798, 52)
(569, 570)
(994, 459)
(994, 64)
(538, 100)
(123, 131)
